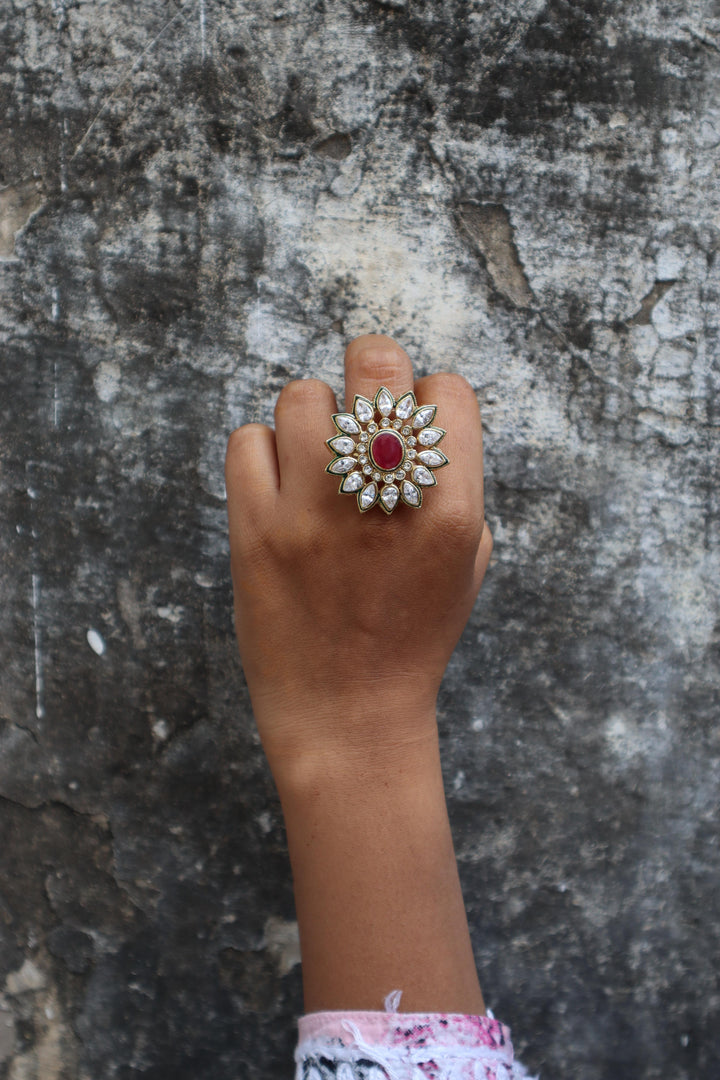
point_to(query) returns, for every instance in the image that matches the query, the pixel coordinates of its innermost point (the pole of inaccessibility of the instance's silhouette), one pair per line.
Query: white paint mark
(282, 941)
(64, 132)
(161, 730)
(172, 613)
(202, 29)
(107, 379)
(28, 977)
(55, 310)
(95, 642)
(39, 687)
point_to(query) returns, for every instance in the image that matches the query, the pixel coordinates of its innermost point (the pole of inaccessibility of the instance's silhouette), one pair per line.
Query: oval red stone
(387, 450)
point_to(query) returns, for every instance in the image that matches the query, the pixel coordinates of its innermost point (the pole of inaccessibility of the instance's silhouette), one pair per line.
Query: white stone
(431, 458)
(389, 477)
(400, 474)
(364, 410)
(411, 441)
(406, 430)
(410, 453)
(367, 496)
(423, 416)
(342, 465)
(376, 476)
(384, 422)
(405, 406)
(385, 402)
(430, 435)
(367, 469)
(347, 423)
(364, 436)
(390, 496)
(342, 445)
(410, 493)
(352, 482)
(422, 476)
(372, 428)
(397, 424)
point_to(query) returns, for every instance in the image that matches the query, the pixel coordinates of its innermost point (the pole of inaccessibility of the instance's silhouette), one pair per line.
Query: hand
(346, 621)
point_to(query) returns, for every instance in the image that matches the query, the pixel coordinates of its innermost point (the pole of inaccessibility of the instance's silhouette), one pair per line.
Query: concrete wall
(201, 200)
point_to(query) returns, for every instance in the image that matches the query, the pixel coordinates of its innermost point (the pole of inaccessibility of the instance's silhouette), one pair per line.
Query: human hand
(346, 621)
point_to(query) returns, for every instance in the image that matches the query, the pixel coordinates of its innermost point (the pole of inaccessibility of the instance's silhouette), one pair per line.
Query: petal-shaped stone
(432, 458)
(364, 409)
(368, 496)
(347, 423)
(341, 465)
(410, 493)
(430, 435)
(387, 450)
(405, 406)
(421, 476)
(423, 416)
(342, 444)
(352, 482)
(384, 401)
(389, 496)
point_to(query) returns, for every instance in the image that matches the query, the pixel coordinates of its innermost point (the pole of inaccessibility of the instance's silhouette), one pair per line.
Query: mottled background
(200, 201)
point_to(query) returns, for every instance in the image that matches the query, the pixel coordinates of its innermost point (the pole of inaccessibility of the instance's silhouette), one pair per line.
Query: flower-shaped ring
(386, 450)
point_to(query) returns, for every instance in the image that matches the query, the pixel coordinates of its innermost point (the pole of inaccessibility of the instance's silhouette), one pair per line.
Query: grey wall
(201, 201)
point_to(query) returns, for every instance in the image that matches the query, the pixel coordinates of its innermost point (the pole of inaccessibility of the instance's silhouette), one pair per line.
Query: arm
(345, 625)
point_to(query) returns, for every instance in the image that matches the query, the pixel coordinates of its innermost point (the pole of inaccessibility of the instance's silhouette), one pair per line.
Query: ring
(386, 450)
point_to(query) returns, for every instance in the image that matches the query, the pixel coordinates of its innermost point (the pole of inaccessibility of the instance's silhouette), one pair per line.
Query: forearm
(377, 891)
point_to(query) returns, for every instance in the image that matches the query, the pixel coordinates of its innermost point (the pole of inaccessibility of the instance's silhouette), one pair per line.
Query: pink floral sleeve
(404, 1046)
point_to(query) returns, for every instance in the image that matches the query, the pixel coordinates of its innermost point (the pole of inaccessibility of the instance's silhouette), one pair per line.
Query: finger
(458, 413)
(251, 473)
(482, 559)
(303, 421)
(372, 361)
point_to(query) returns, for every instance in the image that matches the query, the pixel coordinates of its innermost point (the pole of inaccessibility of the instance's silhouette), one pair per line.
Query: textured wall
(199, 201)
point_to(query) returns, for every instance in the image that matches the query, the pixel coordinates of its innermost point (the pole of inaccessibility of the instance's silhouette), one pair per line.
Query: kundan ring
(386, 450)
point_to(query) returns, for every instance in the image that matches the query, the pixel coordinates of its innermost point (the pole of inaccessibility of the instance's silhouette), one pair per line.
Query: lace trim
(379, 1046)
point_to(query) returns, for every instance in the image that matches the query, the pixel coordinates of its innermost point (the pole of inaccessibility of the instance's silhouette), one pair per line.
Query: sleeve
(404, 1046)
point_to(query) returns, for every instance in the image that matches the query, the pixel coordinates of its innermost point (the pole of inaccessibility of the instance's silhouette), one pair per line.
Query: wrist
(340, 739)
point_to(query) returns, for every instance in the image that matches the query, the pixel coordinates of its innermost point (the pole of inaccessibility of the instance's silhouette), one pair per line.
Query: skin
(345, 625)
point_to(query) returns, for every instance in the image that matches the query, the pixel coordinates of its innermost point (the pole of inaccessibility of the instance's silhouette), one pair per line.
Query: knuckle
(459, 522)
(240, 439)
(301, 392)
(456, 386)
(380, 363)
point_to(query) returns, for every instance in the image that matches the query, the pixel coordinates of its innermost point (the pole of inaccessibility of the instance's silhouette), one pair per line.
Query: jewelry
(386, 450)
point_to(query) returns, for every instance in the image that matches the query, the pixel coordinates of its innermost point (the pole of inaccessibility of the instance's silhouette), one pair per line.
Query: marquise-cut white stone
(342, 465)
(431, 458)
(423, 416)
(347, 423)
(364, 410)
(385, 402)
(430, 435)
(422, 476)
(390, 496)
(410, 493)
(368, 495)
(352, 482)
(342, 445)
(405, 406)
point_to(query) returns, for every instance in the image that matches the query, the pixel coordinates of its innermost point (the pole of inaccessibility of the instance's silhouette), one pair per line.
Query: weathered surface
(198, 202)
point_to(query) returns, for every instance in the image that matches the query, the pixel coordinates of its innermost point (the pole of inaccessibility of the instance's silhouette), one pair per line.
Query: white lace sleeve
(404, 1046)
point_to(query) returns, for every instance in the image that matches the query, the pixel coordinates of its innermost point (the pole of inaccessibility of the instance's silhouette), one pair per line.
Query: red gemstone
(387, 450)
